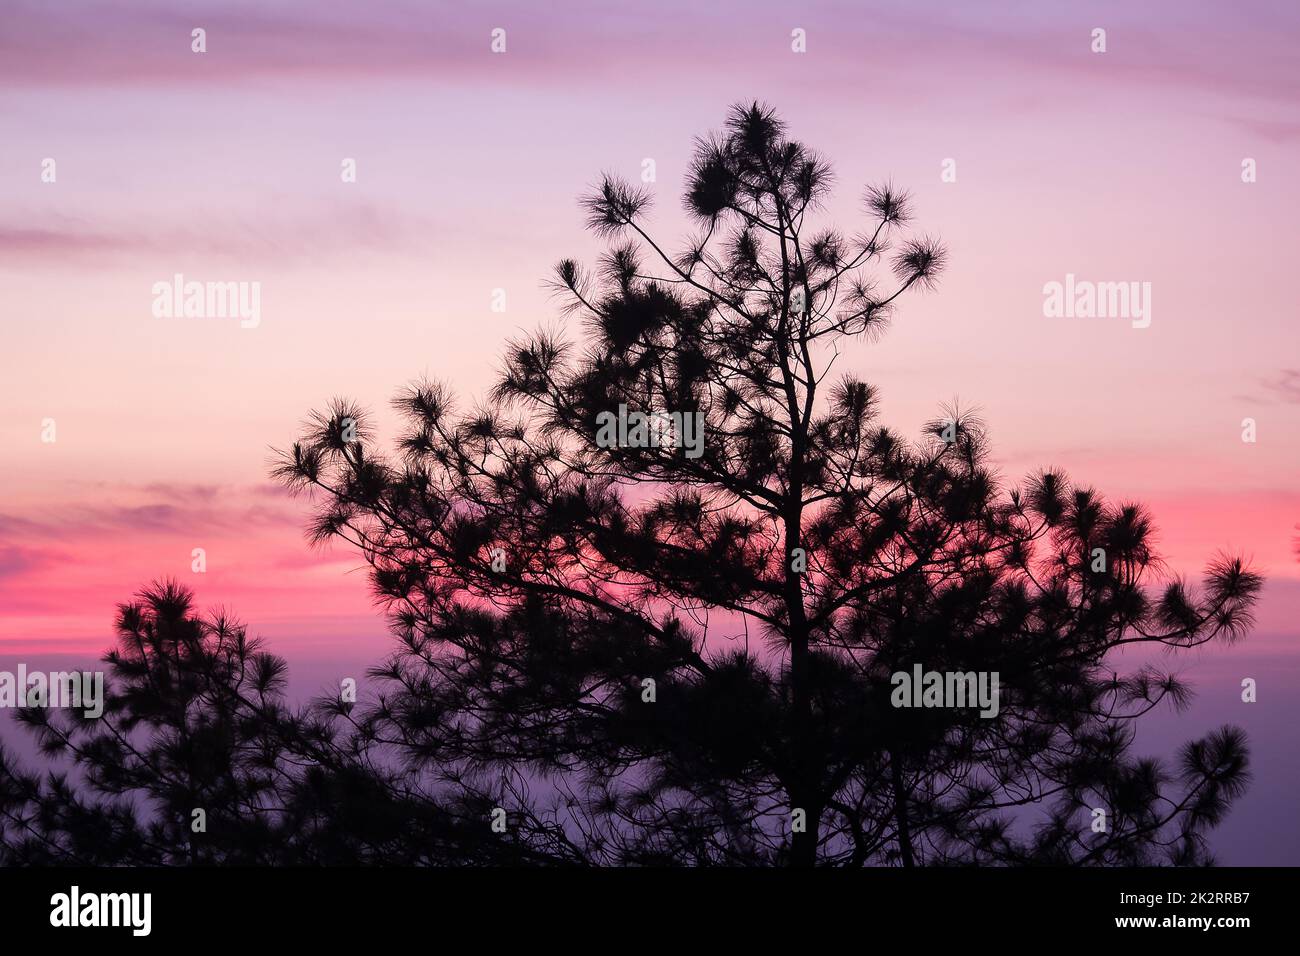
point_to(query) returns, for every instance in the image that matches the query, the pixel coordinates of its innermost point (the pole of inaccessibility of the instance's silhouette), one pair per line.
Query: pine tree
(664, 652)
(654, 597)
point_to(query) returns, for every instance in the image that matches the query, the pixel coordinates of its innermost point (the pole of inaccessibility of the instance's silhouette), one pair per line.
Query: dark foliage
(536, 582)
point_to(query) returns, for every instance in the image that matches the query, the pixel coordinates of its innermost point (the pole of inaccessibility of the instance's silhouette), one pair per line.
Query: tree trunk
(803, 793)
(900, 810)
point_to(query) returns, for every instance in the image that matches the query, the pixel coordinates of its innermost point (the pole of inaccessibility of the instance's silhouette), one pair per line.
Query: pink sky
(225, 166)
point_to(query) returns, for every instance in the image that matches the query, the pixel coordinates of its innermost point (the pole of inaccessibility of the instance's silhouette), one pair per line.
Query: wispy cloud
(158, 508)
(1285, 386)
(1202, 47)
(1282, 386)
(66, 563)
(270, 237)
(15, 561)
(1273, 130)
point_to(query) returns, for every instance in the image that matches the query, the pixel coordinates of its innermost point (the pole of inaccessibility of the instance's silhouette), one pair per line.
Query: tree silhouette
(655, 651)
(692, 649)
(196, 721)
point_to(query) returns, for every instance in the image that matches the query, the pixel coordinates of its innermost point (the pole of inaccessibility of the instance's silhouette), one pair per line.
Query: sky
(1117, 166)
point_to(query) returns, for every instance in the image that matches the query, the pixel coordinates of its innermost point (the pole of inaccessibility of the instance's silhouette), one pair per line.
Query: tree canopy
(643, 656)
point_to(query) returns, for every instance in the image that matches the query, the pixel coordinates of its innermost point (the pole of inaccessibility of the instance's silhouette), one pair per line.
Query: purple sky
(1116, 166)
